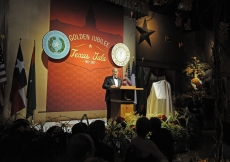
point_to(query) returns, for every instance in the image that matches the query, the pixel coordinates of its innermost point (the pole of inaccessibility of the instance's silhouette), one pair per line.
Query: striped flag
(126, 78)
(17, 94)
(3, 79)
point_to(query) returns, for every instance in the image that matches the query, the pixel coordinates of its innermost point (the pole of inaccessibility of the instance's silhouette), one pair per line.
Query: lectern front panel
(127, 95)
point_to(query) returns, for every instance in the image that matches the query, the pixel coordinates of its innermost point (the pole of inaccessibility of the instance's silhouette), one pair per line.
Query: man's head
(79, 128)
(97, 129)
(155, 123)
(142, 126)
(80, 147)
(115, 72)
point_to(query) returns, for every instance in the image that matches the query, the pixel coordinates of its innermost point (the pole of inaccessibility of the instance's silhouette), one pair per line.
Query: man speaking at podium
(110, 82)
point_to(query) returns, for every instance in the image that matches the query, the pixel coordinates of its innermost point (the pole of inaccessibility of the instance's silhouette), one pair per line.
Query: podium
(122, 100)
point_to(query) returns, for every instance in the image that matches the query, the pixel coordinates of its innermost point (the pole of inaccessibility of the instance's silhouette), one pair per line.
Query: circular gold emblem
(120, 54)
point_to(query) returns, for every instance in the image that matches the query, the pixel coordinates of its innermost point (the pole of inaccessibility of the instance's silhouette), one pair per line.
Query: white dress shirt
(115, 81)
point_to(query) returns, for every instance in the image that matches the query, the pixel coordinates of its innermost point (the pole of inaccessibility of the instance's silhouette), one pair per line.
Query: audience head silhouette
(155, 123)
(142, 126)
(79, 148)
(20, 124)
(79, 128)
(54, 131)
(97, 129)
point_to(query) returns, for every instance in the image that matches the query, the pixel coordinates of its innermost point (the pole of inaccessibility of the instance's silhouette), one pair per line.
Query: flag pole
(15, 116)
(33, 110)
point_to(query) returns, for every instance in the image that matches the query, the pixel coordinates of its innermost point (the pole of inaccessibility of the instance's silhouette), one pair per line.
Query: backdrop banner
(93, 28)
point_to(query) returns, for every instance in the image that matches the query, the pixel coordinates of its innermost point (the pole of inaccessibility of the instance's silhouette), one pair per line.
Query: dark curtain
(4, 8)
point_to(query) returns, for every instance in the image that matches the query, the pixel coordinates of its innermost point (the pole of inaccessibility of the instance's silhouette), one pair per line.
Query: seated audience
(80, 147)
(97, 132)
(17, 141)
(59, 138)
(162, 138)
(142, 149)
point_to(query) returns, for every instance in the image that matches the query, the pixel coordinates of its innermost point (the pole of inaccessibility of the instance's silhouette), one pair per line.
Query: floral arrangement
(196, 71)
(182, 100)
(119, 131)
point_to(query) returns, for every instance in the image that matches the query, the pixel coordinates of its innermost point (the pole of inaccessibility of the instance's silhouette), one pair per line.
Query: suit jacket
(108, 82)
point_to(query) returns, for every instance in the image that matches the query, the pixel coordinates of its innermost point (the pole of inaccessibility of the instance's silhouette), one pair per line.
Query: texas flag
(17, 94)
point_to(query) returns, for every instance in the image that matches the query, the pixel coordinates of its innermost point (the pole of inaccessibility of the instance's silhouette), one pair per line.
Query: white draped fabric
(160, 100)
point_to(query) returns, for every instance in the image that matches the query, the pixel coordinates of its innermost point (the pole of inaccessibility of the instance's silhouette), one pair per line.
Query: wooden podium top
(130, 88)
(126, 88)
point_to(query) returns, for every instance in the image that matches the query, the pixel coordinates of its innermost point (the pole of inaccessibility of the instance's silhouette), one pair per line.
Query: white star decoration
(20, 65)
(56, 44)
(90, 46)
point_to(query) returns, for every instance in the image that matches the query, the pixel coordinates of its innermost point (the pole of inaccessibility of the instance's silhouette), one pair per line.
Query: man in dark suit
(110, 82)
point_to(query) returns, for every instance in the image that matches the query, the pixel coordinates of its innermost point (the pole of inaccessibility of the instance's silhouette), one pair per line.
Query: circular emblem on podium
(56, 44)
(120, 54)
(128, 95)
